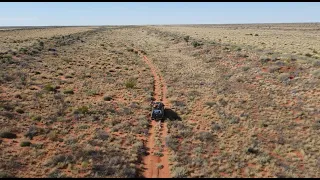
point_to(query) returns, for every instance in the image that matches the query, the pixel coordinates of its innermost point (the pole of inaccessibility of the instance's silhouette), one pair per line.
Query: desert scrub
(70, 141)
(198, 150)
(61, 158)
(316, 73)
(264, 159)
(143, 122)
(82, 127)
(245, 68)
(20, 111)
(205, 137)
(180, 172)
(264, 60)
(100, 134)
(172, 143)
(25, 143)
(274, 68)
(7, 107)
(159, 166)
(69, 91)
(316, 64)
(196, 44)
(131, 83)
(36, 118)
(159, 154)
(210, 103)
(49, 88)
(185, 133)
(308, 55)
(53, 136)
(186, 39)
(92, 92)
(34, 131)
(82, 110)
(5, 175)
(107, 98)
(283, 77)
(7, 134)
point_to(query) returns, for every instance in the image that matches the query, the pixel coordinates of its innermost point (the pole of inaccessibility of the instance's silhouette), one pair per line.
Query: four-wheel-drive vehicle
(157, 111)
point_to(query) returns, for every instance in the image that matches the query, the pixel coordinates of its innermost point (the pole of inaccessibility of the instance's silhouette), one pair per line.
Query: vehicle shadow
(171, 115)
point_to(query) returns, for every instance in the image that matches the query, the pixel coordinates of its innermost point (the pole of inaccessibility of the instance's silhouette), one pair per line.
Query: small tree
(186, 38)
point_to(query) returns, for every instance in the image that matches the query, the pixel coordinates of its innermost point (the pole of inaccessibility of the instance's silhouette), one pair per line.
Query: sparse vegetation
(49, 87)
(186, 39)
(75, 101)
(131, 83)
(70, 91)
(82, 110)
(9, 135)
(196, 44)
(107, 98)
(25, 143)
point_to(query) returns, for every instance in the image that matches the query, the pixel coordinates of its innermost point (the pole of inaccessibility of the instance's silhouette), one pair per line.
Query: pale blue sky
(141, 13)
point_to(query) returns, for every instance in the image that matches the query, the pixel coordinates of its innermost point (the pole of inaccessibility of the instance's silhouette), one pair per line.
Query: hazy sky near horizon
(142, 13)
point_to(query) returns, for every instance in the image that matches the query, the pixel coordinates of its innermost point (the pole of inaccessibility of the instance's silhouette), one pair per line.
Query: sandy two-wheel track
(152, 163)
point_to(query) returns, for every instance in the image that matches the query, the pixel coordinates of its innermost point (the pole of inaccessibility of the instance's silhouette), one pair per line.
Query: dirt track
(152, 161)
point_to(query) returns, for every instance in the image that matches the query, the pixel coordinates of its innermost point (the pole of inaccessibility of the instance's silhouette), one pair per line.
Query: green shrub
(49, 87)
(23, 50)
(34, 131)
(180, 172)
(70, 141)
(159, 166)
(196, 44)
(68, 91)
(82, 110)
(20, 111)
(8, 135)
(61, 158)
(308, 54)
(186, 38)
(210, 104)
(8, 57)
(131, 83)
(159, 154)
(130, 49)
(107, 98)
(172, 143)
(36, 118)
(6, 175)
(92, 92)
(264, 60)
(25, 143)
(53, 136)
(205, 136)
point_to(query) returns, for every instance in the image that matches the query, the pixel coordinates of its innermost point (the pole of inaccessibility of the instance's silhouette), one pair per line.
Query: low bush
(131, 83)
(25, 143)
(9, 135)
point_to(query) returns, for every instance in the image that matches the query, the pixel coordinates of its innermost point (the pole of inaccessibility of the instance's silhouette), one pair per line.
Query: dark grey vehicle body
(157, 112)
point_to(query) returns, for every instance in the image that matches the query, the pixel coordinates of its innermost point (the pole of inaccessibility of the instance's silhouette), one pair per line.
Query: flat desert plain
(240, 101)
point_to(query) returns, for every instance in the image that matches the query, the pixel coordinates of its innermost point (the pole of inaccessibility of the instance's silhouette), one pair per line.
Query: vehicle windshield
(157, 111)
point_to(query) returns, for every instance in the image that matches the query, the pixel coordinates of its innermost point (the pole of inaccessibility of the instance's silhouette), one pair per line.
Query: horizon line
(162, 24)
